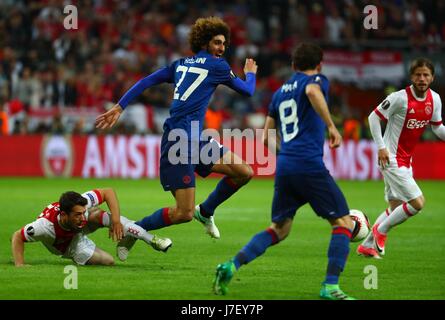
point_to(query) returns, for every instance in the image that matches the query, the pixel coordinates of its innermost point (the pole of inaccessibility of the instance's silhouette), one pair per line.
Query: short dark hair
(205, 29)
(307, 56)
(70, 199)
(421, 62)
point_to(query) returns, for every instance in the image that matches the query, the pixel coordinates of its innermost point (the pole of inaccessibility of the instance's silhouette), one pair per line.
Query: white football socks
(399, 215)
(369, 240)
(130, 228)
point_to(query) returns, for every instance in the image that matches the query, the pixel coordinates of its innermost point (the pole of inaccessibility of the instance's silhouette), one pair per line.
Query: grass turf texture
(412, 268)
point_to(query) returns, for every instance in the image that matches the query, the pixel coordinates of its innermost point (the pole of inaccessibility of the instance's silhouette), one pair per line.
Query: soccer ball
(361, 225)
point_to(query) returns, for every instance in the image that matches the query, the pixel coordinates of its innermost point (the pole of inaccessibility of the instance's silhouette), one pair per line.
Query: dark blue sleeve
(223, 75)
(322, 81)
(162, 75)
(246, 88)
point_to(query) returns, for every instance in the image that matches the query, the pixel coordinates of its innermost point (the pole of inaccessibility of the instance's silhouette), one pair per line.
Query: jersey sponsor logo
(56, 156)
(30, 231)
(416, 124)
(386, 104)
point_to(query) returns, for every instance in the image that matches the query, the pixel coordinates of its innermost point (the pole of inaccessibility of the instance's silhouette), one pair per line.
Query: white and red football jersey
(48, 230)
(407, 117)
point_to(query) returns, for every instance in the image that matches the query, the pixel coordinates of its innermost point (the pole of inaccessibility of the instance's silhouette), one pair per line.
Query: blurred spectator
(298, 19)
(4, 84)
(25, 88)
(351, 129)
(395, 24)
(335, 26)
(317, 21)
(44, 66)
(79, 127)
(213, 119)
(4, 119)
(57, 126)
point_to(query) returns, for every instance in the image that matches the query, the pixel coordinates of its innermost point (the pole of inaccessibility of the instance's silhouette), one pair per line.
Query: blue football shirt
(302, 130)
(195, 79)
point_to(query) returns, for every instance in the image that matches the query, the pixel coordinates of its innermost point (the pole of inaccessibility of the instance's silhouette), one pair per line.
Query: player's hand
(335, 138)
(108, 119)
(116, 231)
(250, 66)
(383, 158)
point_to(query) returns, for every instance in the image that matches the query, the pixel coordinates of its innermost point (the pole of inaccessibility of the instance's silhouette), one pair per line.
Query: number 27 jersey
(196, 78)
(301, 128)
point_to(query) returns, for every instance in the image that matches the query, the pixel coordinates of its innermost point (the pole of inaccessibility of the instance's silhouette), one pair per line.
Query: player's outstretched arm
(376, 132)
(116, 229)
(318, 102)
(18, 249)
(109, 118)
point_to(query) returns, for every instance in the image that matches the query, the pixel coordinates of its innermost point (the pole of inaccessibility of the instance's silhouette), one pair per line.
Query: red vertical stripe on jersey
(165, 217)
(98, 195)
(416, 120)
(387, 212)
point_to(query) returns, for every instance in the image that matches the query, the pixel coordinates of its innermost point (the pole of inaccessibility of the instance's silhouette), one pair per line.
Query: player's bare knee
(418, 203)
(244, 174)
(282, 229)
(106, 259)
(282, 235)
(248, 173)
(185, 215)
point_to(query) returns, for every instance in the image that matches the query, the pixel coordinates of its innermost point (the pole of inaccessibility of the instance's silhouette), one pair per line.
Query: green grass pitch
(413, 267)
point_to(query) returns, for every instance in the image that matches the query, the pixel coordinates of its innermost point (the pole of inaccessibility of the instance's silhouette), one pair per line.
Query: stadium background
(54, 82)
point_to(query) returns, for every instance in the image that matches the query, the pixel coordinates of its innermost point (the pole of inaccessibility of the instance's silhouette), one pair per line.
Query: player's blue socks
(157, 220)
(256, 247)
(337, 253)
(223, 191)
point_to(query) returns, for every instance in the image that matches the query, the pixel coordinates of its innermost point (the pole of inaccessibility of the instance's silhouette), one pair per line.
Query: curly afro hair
(204, 30)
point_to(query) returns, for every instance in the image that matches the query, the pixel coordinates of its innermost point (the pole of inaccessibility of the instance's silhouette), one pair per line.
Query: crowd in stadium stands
(46, 69)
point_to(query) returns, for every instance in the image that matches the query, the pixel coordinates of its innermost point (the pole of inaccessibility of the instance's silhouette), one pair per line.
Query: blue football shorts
(318, 189)
(198, 157)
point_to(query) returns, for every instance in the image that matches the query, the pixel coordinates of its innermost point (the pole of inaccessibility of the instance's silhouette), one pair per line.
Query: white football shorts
(81, 249)
(399, 183)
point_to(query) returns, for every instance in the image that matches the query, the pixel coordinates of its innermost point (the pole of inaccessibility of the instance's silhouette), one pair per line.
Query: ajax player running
(62, 228)
(407, 113)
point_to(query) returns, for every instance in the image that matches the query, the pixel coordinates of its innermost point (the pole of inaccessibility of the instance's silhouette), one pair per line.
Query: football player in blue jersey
(195, 79)
(300, 113)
